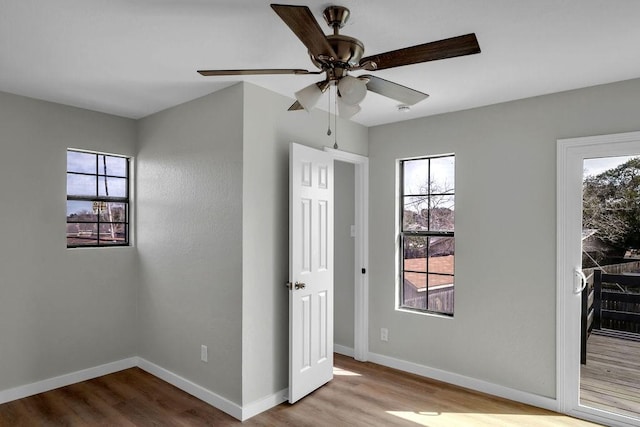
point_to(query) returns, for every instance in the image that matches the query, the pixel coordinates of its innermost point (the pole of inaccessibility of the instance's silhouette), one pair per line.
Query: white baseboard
(213, 399)
(264, 404)
(345, 351)
(192, 388)
(466, 382)
(241, 413)
(65, 380)
(247, 411)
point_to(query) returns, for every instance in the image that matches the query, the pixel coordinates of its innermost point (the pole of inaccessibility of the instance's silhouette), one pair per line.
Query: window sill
(424, 313)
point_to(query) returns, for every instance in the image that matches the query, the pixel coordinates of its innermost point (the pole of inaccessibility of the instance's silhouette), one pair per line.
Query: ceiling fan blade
(393, 90)
(304, 25)
(251, 72)
(442, 49)
(296, 106)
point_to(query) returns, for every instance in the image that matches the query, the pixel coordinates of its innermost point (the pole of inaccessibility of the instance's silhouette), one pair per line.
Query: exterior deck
(610, 380)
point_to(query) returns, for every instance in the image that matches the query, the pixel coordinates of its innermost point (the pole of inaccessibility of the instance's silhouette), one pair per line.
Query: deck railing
(619, 303)
(588, 314)
(610, 302)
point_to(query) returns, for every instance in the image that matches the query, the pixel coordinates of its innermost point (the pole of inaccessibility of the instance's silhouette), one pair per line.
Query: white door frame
(361, 280)
(570, 157)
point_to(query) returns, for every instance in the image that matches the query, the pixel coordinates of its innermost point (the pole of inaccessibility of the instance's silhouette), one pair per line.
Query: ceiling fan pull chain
(335, 120)
(329, 114)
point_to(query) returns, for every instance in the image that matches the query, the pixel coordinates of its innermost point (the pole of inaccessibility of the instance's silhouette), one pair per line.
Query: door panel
(311, 270)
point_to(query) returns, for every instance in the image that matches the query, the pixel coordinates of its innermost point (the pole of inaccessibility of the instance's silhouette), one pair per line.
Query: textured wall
(61, 310)
(504, 328)
(189, 184)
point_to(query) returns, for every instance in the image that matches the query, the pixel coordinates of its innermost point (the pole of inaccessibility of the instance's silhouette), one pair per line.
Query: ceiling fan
(336, 55)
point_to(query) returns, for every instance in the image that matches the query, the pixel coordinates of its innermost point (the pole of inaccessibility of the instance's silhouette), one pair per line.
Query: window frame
(125, 200)
(403, 234)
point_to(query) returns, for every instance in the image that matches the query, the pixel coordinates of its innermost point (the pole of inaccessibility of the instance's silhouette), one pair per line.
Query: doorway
(360, 307)
(575, 157)
(344, 257)
(311, 264)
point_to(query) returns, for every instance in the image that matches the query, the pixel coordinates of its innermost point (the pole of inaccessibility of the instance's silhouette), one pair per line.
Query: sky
(85, 185)
(598, 165)
(442, 172)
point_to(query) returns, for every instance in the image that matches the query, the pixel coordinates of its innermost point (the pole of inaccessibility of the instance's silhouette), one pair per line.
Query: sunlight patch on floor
(444, 419)
(344, 372)
(421, 418)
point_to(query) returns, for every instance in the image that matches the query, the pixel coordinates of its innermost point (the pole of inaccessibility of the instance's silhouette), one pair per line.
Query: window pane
(441, 255)
(80, 211)
(415, 214)
(441, 290)
(428, 210)
(81, 162)
(441, 214)
(115, 166)
(443, 175)
(415, 253)
(416, 176)
(112, 187)
(414, 293)
(113, 234)
(113, 212)
(81, 185)
(82, 234)
(97, 222)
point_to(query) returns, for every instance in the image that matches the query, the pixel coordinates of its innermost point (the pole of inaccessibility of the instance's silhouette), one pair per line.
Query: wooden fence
(440, 298)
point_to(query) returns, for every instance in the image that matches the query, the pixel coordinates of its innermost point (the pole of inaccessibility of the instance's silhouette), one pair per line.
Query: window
(97, 199)
(427, 201)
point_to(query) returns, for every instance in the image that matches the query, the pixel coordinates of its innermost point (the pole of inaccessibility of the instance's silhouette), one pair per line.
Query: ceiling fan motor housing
(348, 49)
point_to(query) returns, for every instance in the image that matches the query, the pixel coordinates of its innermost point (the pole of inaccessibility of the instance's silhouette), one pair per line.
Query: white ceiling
(136, 57)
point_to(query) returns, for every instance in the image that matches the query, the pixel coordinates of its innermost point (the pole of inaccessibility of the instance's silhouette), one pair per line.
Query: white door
(571, 156)
(311, 270)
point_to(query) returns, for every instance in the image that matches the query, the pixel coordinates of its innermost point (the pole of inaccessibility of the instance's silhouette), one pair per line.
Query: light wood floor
(611, 378)
(361, 394)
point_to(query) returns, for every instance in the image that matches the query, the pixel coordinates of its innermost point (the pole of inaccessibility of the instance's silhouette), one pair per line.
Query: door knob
(298, 285)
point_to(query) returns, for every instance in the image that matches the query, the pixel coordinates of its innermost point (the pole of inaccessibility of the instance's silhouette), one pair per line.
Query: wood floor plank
(611, 378)
(360, 395)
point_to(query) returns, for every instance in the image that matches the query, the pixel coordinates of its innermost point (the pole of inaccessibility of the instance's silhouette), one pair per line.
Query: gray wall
(189, 184)
(212, 237)
(211, 233)
(268, 131)
(504, 327)
(344, 246)
(61, 310)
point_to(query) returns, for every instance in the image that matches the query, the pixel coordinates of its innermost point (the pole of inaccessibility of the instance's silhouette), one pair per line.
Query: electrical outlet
(384, 334)
(204, 353)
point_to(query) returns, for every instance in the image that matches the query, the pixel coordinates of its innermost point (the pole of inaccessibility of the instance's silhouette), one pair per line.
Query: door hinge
(364, 271)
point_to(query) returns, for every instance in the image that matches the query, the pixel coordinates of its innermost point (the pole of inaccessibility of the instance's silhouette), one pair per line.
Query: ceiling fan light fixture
(352, 90)
(347, 111)
(309, 96)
